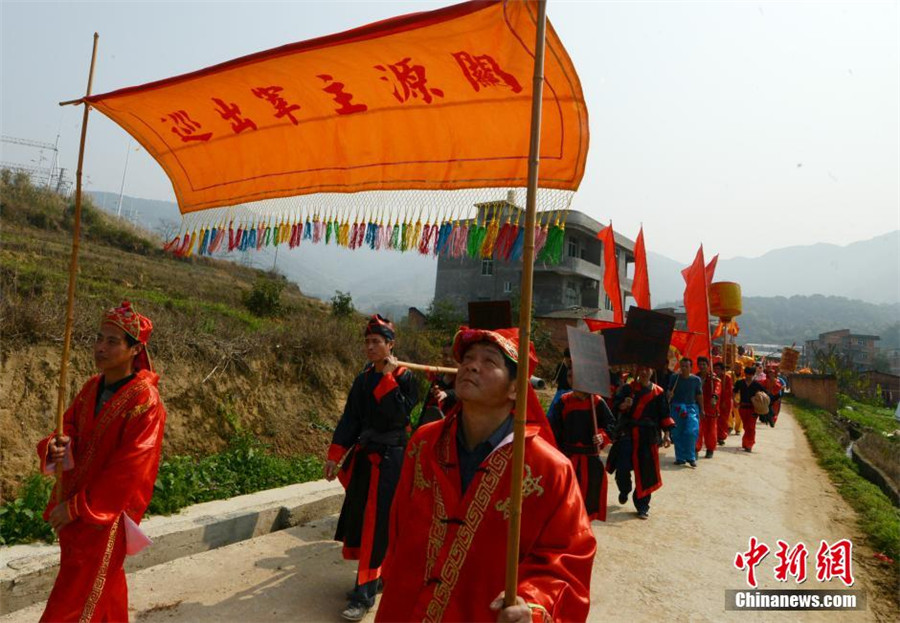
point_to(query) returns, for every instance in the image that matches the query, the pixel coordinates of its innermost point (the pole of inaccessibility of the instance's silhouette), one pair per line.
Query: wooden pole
(423, 368)
(518, 460)
(73, 270)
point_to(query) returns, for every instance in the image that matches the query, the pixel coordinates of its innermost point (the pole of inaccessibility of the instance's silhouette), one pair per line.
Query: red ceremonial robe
(774, 386)
(712, 386)
(116, 457)
(571, 421)
(726, 402)
(446, 553)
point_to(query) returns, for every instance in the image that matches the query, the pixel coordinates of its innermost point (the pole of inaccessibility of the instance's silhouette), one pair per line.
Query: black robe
(641, 423)
(372, 433)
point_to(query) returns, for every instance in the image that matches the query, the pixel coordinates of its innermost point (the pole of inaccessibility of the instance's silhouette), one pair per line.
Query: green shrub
(21, 520)
(264, 299)
(245, 466)
(342, 304)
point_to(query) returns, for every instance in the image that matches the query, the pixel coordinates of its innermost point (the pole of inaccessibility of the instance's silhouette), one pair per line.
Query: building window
(507, 287)
(572, 249)
(583, 253)
(487, 268)
(607, 304)
(571, 297)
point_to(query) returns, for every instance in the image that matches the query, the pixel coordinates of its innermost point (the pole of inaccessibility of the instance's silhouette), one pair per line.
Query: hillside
(222, 368)
(783, 320)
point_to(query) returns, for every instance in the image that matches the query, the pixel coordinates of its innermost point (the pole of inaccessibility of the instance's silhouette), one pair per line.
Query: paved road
(676, 566)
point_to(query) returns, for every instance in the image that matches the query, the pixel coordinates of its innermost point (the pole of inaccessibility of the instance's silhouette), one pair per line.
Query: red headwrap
(134, 324)
(379, 325)
(507, 340)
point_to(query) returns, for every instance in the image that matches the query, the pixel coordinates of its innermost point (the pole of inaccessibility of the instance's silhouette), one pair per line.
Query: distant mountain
(782, 320)
(377, 280)
(868, 271)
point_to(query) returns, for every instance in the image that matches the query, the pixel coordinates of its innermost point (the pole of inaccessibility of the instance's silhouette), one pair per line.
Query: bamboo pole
(518, 460)
(424, 368)
(73, 269)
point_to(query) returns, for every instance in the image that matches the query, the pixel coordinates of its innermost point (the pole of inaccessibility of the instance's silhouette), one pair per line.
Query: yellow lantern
(725, 300)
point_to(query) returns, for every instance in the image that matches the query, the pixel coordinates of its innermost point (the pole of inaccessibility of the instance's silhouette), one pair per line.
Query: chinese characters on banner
(437, 100)
(407, 80)
(832, 561)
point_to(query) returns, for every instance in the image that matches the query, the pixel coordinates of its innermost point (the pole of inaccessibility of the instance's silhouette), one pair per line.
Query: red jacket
(446, 552)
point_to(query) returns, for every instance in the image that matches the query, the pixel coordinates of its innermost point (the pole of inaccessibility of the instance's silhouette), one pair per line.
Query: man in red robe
(775, 389)
(709, 420)
(726, 401)
(447, 545)
(109, 452)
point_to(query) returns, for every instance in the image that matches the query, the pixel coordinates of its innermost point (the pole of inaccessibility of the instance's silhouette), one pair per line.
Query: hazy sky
(746, 126)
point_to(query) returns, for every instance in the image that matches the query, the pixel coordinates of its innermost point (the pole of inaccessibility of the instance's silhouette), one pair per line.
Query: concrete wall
(819, 389)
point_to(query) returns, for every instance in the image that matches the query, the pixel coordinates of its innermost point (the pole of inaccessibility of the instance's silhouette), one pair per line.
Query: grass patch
(244, 466)
(878, 518)
(878, 419)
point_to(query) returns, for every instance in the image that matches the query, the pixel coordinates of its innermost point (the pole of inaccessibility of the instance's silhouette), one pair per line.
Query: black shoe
(680, 462)
(643, 514)
(355, 611)
(692, 463)
(747, 450)
(721, 442)
(623, 497)
(709, 454)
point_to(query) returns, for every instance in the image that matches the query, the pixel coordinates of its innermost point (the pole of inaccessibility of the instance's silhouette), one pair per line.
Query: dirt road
(676, 566)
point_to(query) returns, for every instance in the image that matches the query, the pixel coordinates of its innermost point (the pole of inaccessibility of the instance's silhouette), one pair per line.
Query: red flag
(696, 305)
(611, 272)
(640, 287)
(710, 269)
(599, 325)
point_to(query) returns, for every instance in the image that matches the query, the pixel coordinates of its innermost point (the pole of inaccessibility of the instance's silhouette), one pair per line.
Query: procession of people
(425, 506)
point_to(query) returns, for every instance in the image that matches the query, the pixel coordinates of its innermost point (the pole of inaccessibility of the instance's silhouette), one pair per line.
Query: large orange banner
(436, 100)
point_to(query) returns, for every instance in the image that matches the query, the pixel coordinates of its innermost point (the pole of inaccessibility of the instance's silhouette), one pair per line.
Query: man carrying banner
(109, 453)
(712, 390)
(447, 544)
(372, 435)
(642, 411)
(686, 398)
(726, 401)
(581, 432)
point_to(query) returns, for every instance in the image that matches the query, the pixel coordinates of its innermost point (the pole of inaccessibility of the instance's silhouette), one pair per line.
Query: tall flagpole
(518, 460)
(73, 269)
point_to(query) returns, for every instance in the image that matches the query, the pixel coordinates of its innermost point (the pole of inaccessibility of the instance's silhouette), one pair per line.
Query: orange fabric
(640, 286)
(611, 272)
(432, 100)
(696, 305)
